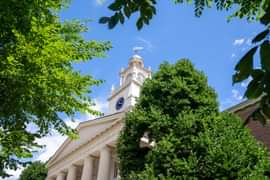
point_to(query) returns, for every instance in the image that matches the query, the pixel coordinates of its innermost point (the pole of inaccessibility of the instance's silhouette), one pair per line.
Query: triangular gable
(87, 130)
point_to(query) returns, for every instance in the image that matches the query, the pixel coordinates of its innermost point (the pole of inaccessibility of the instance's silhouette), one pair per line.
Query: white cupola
(131, 80)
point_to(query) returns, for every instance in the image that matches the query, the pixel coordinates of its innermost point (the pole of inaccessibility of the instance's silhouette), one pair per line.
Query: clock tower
(131, 80)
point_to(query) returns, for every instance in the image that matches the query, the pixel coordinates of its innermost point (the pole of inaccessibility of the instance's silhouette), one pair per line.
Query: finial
(137, 49)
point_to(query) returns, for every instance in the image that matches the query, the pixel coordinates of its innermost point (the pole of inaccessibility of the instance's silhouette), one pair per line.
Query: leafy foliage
(251, 10)
(255, 10)
(35, 171)
(178, 111)
(37, 79)
(259, 86)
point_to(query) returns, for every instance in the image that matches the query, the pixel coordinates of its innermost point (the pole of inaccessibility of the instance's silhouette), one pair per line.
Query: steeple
(131, 80)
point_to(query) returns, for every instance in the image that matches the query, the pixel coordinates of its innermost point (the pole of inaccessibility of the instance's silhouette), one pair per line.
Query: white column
(88, 166)
(104, 164)
(71, 173)
(60, 176)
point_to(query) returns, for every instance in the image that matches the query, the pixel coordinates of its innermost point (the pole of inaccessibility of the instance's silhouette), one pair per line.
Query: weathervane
(137, 49)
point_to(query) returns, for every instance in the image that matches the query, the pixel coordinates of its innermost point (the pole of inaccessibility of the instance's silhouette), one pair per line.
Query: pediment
(87, 130)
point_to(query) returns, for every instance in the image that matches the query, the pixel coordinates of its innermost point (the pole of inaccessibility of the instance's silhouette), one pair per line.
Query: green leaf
(113, 21)
(266, 81)
(104, 20)
(261, 36)
(115, 6)
(121, 18)
(139, 23)
(257, 74)
(209, 3)
(37, 170)
(265, 55)
(266, 18)
(127, 11)
(244, 66)
(254, 90)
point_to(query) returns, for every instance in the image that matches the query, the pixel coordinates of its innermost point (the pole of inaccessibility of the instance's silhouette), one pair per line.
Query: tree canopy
(255, 10)
(35, 171)
(188, 138)
(37, 78)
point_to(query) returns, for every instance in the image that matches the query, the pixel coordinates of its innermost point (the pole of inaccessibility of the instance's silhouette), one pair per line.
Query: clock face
(119, 104)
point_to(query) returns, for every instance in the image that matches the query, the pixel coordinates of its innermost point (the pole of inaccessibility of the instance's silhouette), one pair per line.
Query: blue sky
(210, 42)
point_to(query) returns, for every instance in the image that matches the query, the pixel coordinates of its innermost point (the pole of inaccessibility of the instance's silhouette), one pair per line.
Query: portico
(93, 168)
(95, 159)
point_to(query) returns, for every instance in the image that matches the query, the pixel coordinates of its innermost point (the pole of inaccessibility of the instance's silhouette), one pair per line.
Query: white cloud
(101, 105)
(15, 174)
(245, 83)
(243, 49)
(234, 99)
(148, 45)
(238, 42)
(233, 55)
(100, 2)
(249, 42)
(52, 143)
(236, 95)
(73, 124)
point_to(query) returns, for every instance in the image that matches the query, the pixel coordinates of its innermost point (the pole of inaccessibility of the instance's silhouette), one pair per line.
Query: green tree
(252, 10)
(187, 137)
(35, 171)
(37, 78)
